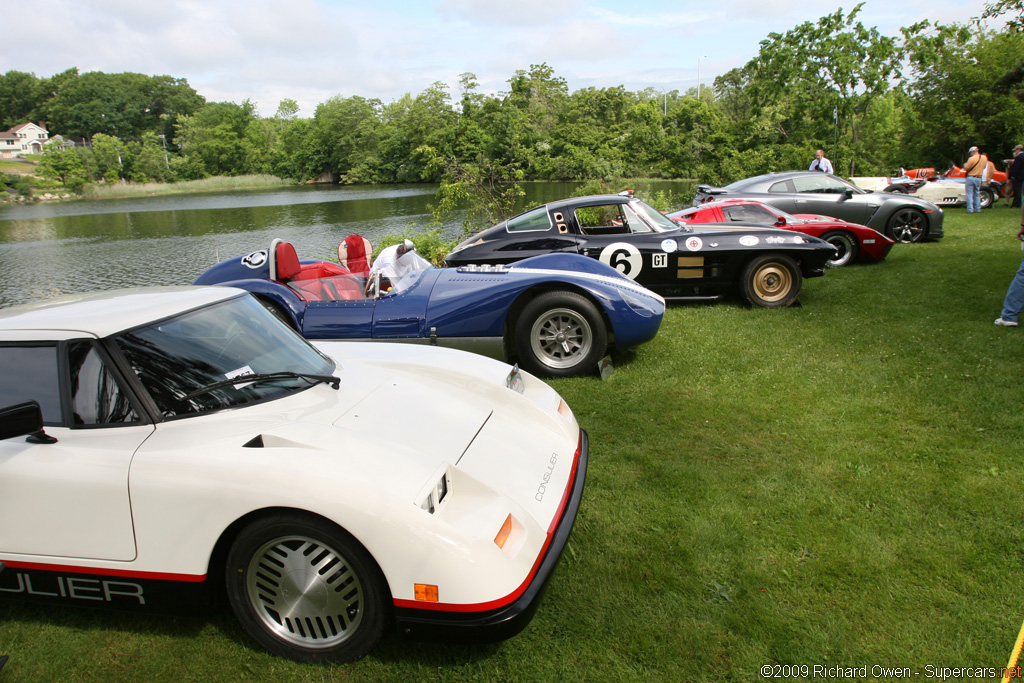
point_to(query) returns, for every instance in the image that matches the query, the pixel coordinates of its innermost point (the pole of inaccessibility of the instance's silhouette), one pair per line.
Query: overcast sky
(311, 50)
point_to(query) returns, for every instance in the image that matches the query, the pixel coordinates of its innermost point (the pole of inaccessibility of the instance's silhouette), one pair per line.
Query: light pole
(698, 74)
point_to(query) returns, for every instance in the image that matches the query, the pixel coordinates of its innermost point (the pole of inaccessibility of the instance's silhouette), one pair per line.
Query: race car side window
(608, 219)
(536, 220)
(782, 187)
(29, 372)
(96, 397)
(748, 213)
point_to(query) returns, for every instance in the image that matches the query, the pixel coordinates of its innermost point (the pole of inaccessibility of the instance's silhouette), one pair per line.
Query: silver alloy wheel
(907, 225)
(560, 338)
(987, 198)
(846, 248)
(304, 592)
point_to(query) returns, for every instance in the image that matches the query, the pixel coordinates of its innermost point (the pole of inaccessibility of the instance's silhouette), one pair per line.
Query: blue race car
(555, 314)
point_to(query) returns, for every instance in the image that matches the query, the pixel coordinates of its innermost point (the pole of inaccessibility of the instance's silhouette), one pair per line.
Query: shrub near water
(832, 484)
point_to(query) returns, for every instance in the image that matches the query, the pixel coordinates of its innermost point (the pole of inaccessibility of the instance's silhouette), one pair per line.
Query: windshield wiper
(335, 382)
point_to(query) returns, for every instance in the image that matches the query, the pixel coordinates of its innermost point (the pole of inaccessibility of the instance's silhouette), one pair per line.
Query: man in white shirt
(820, 163)
(389, 261)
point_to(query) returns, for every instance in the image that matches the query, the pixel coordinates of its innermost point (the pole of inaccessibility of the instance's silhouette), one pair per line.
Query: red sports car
(852, 241)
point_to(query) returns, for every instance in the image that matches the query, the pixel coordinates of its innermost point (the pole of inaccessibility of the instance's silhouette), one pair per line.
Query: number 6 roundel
(623, 257)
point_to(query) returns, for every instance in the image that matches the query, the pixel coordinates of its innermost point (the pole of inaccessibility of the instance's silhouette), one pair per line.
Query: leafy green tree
(827, 74)
(62, 165)
(108, 154)
(150, 161)
(1013, 10)
(485, 190)
(214, 137)
(967, 91)
(19, 94)
(343, 137)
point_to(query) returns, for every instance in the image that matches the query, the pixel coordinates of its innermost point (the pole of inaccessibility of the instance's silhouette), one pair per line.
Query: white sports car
(158, 443)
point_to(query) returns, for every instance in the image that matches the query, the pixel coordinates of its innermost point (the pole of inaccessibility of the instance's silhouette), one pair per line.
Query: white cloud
(502, 13)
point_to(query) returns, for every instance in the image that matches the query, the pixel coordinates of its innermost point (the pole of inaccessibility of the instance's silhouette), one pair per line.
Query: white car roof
(105, 313)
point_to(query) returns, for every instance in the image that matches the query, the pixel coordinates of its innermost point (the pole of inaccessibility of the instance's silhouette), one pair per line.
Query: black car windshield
(659, 221)
(179, 356)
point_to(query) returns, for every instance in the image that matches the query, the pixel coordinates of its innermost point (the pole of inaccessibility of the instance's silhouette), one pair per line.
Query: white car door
(69, 498)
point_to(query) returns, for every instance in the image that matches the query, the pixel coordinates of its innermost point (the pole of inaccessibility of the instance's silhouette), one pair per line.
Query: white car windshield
(186, 363)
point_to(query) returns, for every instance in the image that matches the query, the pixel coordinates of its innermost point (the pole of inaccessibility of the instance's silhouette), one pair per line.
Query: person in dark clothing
(1016, 175)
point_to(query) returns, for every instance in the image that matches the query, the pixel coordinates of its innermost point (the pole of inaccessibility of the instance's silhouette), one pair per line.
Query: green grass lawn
(835, 484)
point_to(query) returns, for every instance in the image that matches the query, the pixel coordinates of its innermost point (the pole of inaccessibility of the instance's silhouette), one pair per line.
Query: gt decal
(694, 243)
(659, 260)
(255, 259)
(623, 257)
(669, 245)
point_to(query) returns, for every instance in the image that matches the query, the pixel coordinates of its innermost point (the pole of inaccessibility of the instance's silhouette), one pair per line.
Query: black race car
(903, 218)
(696, 262)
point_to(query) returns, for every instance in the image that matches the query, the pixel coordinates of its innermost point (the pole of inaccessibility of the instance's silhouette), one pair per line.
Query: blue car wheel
(560, 334)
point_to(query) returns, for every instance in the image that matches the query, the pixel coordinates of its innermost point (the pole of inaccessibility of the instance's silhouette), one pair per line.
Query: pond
(48, 249)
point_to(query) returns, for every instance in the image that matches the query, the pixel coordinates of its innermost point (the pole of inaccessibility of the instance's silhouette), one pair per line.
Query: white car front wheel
(305, 589)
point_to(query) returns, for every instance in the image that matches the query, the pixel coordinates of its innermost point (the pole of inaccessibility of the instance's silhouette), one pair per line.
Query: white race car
(938, 191)
(157, 443)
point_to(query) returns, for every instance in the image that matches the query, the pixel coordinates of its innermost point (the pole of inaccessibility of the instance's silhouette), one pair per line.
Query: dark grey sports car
(903, 218)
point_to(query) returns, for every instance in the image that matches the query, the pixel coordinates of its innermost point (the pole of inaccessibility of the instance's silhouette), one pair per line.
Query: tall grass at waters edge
(834, 484)
(215, 184)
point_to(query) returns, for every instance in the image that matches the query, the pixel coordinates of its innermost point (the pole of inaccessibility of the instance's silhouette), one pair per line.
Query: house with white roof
(25, 138)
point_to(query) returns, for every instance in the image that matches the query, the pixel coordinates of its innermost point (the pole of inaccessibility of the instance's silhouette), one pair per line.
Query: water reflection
(52, 249)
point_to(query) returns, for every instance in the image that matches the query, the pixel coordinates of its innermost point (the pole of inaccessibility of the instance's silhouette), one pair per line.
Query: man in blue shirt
(820, 163)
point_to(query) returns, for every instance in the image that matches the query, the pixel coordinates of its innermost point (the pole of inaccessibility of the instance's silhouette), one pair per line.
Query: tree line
(873, 102)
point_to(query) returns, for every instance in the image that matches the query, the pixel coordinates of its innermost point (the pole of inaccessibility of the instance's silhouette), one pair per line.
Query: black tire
(559, 334)
(988, 197)
(901, 189)
(907, 225)
(305, 589)
(846, 247)
(771, 281)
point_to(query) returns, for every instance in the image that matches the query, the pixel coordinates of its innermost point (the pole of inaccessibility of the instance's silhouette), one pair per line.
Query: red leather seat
(308, 280)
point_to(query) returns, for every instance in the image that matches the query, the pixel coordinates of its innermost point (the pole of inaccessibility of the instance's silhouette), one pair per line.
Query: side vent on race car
(255, 442)
(433, 498)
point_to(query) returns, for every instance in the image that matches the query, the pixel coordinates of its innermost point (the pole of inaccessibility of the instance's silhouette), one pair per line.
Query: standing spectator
(820, 163)
(1014, 301)
(1016, 174)
(974, 167)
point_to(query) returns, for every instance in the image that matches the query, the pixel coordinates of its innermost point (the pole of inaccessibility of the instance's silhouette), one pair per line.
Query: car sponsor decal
(689, 267)
(869, 241)
(623, 257)
(773, 240)
(659, 260)
(798, 240)
(714, 244)
(694, 243)
(669, 245)
(748, 240)
(256, 259)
